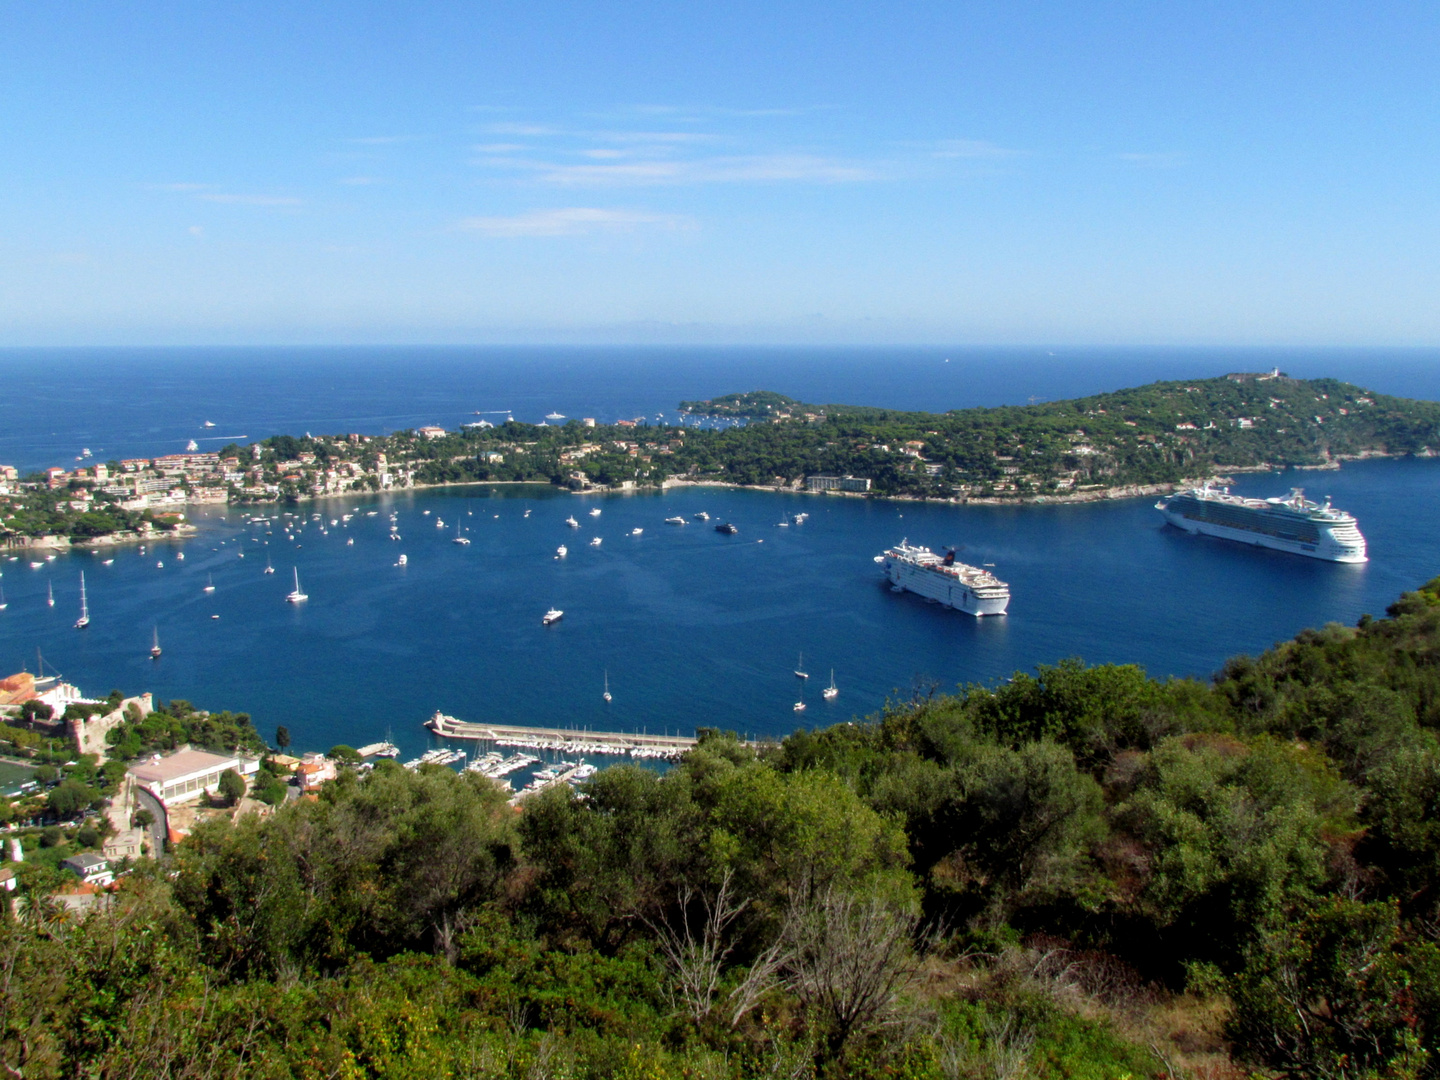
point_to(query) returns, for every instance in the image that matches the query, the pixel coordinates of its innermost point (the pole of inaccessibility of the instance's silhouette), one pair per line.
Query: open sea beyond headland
(694, 628)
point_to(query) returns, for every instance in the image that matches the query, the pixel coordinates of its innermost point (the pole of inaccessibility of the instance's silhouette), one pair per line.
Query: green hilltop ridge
(1157, 434)
(1148, 438)
(1081, 873)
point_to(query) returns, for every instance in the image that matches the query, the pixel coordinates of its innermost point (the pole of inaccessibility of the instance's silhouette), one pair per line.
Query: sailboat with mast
(50, 593)
(607, 685)
(3, 602)
(269, 568)
(84, 620)
(295, 596)
(155, 645)
(832, 690)
(800, 672)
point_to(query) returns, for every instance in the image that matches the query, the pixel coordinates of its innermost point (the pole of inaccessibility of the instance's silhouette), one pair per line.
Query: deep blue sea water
(693, 627)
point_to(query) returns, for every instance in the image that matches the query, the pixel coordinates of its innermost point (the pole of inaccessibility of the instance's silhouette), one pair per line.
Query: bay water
(692, 627)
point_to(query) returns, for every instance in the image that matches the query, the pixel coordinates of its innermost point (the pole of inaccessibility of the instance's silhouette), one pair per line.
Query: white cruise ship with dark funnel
(971, 589)
(1292, 523)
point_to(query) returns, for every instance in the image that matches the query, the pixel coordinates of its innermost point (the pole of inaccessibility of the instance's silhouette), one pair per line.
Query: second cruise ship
(971, 589)
(1291, 523)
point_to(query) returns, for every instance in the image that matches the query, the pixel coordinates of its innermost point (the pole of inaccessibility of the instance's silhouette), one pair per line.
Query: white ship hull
(1326, 547)
(949, 591)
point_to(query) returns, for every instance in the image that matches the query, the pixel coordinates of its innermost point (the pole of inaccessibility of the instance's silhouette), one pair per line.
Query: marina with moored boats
(639, 746)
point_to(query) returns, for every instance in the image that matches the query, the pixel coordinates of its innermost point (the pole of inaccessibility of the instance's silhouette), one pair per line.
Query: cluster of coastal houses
(168, 786)
(176, 479)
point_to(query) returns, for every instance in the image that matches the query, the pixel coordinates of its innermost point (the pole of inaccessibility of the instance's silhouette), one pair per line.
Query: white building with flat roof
(187, 774)
(90, 868)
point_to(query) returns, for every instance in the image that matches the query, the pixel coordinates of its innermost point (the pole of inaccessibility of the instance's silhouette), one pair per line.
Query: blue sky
(1127, 173)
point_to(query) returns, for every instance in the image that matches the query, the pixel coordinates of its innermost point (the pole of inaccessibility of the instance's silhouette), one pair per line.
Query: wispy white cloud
(762, 168)
(530, 130)
(652, 137)
(660, 150)
(973, 149)
(207, 193)
(649, 171)
(690, 113)
(550, 131)
(571, 221)
(250, 200)
(383, 140)
(360, 181)
(1166, 160)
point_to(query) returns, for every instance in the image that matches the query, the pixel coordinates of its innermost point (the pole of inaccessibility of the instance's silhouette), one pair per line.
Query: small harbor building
(315, 770)
(188, 774)
(837, 483)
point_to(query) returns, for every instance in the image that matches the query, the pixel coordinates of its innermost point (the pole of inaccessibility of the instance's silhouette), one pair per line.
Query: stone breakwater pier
(567, 741)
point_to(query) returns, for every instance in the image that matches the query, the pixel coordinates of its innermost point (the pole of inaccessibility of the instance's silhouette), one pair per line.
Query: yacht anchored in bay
(971, 589)
(1291, 523)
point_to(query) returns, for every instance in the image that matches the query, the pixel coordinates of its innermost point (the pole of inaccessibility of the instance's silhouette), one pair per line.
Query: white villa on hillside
(187, 774)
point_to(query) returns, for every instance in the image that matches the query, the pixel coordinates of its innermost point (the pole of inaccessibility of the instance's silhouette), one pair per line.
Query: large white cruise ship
(967, 588)
(1293, 523)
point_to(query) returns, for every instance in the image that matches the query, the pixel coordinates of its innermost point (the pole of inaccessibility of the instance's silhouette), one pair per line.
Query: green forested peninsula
(1155, 434)
(1080, 873)
(1152, 435)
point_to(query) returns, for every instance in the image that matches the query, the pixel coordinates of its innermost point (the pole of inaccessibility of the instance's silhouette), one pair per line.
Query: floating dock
(566, 741)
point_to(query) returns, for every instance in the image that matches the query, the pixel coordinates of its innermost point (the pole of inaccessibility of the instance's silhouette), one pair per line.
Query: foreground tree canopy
(1080, 873)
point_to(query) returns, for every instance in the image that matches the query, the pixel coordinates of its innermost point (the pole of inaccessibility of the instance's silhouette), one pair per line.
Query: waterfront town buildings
(837, 483)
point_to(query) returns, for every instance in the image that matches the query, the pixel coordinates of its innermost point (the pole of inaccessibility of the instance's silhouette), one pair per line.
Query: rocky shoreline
(1223, 475)
(64, 543)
